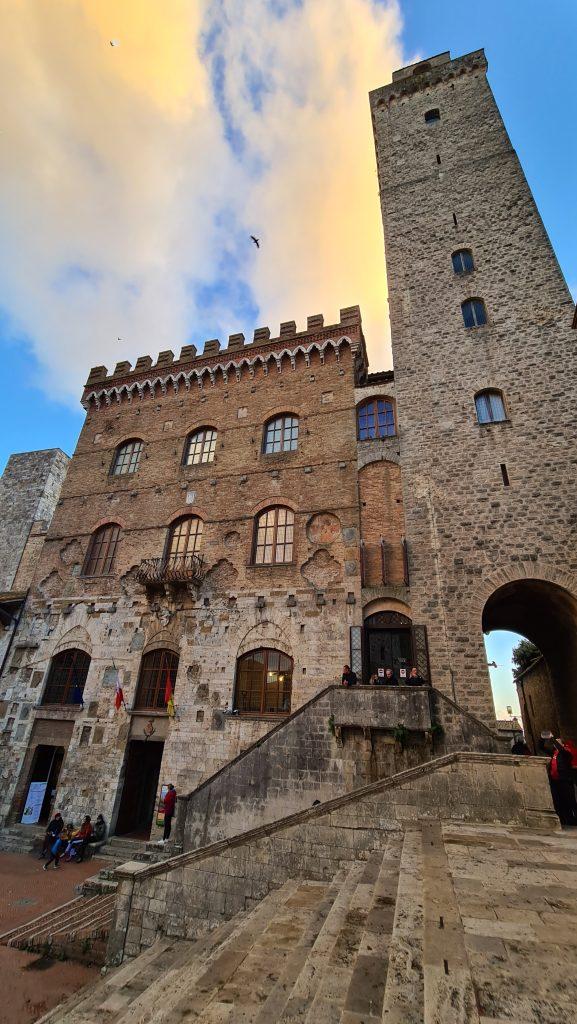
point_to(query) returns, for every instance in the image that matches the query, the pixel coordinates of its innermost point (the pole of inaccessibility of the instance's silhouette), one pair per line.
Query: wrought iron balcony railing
(176, 569)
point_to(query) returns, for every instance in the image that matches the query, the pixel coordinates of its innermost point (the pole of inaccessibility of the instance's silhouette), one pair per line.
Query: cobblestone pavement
(26, 891)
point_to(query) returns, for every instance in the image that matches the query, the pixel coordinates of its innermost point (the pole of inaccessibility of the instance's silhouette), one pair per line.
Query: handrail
(138, 871)
(171, 569)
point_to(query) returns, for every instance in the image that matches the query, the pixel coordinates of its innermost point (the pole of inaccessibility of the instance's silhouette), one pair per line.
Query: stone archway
(546, 613)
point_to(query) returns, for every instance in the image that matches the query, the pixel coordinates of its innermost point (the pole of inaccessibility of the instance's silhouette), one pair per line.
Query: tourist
(98, 833)
(414, 678)
(390, 678)
(79, 841)
(520, 747)
(562, 782)
(169, 808)
(52, 832)
(349, 678)
(59, 845)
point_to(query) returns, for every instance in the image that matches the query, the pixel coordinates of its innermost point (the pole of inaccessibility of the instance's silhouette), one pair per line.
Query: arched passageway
(546, 614)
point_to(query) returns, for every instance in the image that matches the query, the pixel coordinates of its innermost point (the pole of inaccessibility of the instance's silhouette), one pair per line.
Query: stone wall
(341, 740)
(29, 490)
(445, 185)
(196, 891)
(537, 702)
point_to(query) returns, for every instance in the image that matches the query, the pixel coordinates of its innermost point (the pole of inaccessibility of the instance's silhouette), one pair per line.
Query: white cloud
(122, 196)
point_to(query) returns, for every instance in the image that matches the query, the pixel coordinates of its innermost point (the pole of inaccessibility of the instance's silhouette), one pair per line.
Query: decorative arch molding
(162, 639)
(207, 374)
(386, 604)
(78, 637)
(384, 452)
(265, 634)
(273, 502)
(107, 521)
(537, 570)
(185, 510)
(124, 438)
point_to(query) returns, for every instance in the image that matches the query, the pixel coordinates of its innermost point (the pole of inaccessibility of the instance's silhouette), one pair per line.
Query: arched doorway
(388, 643)
(546, 614)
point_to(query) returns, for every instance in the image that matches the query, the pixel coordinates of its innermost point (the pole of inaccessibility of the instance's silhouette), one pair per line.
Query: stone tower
(485, 381)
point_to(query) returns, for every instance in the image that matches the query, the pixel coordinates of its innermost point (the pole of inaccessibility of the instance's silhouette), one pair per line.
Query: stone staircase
(118, 850)
(77, 929)
(459, 924)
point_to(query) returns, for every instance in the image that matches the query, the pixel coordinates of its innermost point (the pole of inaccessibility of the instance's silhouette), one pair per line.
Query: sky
(131, 176)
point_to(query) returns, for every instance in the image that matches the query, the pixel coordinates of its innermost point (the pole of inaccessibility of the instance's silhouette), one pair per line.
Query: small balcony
(177, 570)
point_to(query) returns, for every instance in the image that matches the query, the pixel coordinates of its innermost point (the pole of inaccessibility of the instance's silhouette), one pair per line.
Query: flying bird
(115, 42)
(256, 241)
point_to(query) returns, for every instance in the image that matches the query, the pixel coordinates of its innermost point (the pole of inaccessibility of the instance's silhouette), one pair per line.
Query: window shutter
(421, 651)
(357, 651)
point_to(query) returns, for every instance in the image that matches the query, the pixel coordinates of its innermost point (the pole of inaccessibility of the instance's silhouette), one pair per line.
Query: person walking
(59, 845)
(52, 832)
(169, 808)
(349, 678)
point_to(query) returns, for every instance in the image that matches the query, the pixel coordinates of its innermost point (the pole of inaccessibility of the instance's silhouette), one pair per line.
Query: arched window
(127, 457)
(66, 677)
(463, 261)
(156, 680)
(263, 683)
(490, 407)
(281, 434)
(200, 447)
(273, 540)
(99, 559)
(376, 418)
(474, 313)
(184, 538)
(432, 115)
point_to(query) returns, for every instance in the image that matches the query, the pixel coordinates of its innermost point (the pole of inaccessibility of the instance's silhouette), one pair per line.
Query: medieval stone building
(236, 525)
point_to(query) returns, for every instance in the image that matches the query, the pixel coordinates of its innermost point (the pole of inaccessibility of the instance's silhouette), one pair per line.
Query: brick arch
(161, 639)
(386, 604)
(272, 502)
(185, 510)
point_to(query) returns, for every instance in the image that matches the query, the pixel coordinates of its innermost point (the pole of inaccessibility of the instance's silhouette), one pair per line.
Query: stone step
(365, 994)
(404, 999)
(306, 986)
(71, 920)
(199, 986)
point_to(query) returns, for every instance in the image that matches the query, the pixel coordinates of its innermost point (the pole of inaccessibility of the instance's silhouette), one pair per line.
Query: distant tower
(484, 359)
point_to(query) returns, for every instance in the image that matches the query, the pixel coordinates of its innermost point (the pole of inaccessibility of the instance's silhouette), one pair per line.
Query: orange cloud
(123, 200)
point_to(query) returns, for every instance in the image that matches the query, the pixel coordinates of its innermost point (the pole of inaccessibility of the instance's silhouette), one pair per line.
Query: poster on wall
(34, 801)
(160, 812)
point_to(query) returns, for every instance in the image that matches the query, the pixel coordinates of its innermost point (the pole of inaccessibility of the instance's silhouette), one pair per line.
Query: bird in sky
(115, 42)
(256, 241)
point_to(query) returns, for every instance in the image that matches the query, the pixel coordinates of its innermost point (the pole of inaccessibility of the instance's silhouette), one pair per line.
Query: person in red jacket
(169, 809)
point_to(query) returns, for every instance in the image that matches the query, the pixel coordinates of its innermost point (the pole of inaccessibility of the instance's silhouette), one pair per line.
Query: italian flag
(169, 695)
(118, 696)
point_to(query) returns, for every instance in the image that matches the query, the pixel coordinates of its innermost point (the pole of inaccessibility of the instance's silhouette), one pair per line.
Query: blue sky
(128, 184)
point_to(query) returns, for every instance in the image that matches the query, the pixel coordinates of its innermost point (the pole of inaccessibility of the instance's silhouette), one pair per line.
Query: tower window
(273, 541)
(200, 447)
(474, 313)
(184, 539)
(66, 678)
(375, 418)
(463, 261)
(127, 457)
(490, 407)
(263, 682)
(431, 116)
(281, 435)
(99, 559)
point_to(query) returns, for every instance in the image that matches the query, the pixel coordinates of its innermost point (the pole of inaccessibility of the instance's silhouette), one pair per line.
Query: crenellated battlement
(145, 375)
(416, 77)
